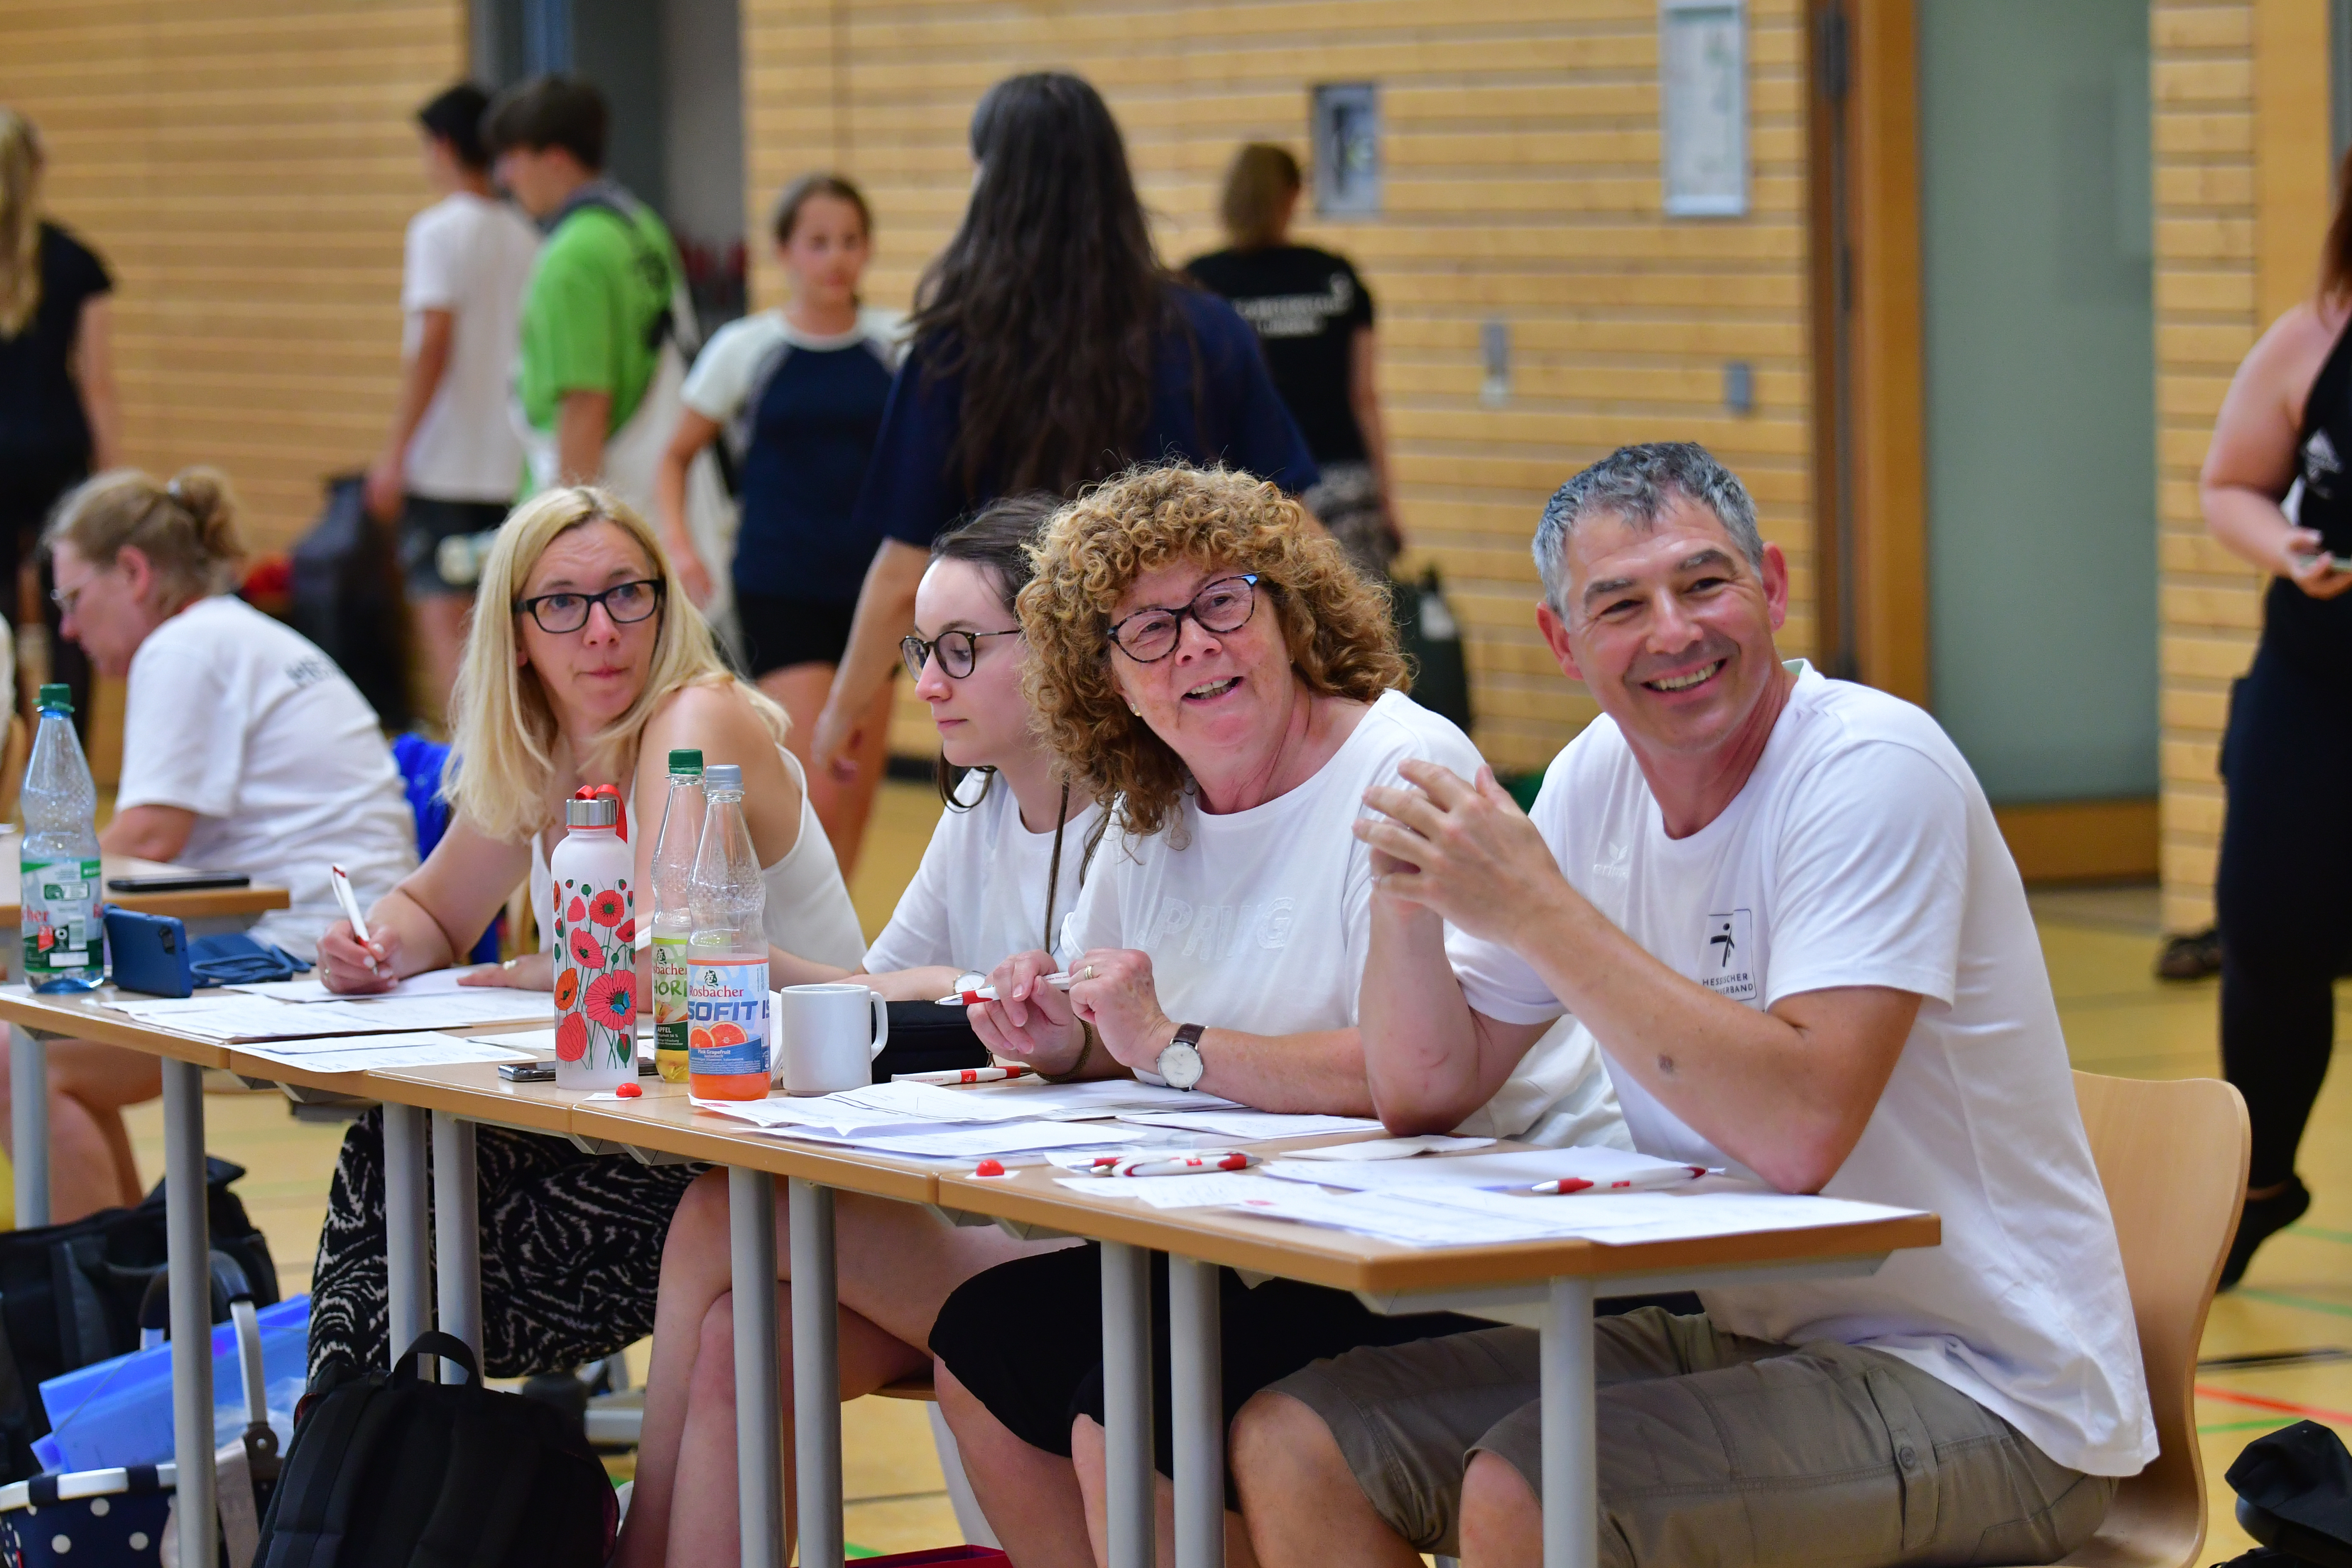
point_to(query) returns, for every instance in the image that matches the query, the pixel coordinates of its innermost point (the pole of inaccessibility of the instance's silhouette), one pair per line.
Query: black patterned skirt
(572, 1248)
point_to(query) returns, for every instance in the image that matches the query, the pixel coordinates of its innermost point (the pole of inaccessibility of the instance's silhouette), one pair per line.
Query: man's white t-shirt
(471, 257)
(1261, 920)
(242, 721)
(1861, 852)
(722, 377)
(979, 897)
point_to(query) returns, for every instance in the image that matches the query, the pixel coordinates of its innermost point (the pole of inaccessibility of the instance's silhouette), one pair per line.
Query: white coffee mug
(826, 1036)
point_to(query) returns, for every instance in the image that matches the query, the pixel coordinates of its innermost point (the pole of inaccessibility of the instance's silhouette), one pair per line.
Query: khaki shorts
(1712, 1448)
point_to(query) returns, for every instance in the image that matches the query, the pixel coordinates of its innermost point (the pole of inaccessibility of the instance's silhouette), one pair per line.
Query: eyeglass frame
(916, 654)
(68, 599)
(530, 607)
(1181, 611)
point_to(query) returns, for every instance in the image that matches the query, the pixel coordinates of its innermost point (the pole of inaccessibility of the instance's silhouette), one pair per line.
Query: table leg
(816, 1376)
(1571, 1504)
(189, 1244)
(759, 1475)
(406, 1242)
(1196, 1392)
(28, 1124)
(1127, 1403)
(457, 1234)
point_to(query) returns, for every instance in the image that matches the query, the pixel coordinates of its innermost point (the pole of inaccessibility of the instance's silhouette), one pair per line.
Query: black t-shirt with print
(1306, 305)
(44, 438)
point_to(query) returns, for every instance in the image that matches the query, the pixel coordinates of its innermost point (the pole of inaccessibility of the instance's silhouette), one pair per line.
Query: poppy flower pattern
(596, 975)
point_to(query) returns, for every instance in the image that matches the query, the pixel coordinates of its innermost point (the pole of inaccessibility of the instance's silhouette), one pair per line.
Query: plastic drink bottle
(64, 942)
(727, 956)
(674, 851)
(595, 949)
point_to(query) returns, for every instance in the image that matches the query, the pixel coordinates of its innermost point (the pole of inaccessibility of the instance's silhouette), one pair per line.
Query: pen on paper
(341, 881)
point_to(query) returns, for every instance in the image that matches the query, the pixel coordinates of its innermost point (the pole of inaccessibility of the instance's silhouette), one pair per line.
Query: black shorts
(780, 632)
(425, 522)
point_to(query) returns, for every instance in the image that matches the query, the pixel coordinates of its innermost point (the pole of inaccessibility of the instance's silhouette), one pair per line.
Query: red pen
(961, 1074)
(1177, 1165)
(1645, 1183)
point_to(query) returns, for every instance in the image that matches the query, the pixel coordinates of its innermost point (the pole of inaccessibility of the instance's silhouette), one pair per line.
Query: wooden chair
(2172, 1156)
(14, 754)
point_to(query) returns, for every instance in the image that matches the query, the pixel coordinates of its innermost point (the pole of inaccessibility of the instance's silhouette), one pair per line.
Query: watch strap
(1190, 1034)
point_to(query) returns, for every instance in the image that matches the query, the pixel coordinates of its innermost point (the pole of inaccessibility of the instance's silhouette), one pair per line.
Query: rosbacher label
(727, 1015)
(671, 1028)
(61, 929)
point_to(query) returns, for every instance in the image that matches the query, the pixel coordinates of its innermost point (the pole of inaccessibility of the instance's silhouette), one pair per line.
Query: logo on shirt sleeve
(1727, 966)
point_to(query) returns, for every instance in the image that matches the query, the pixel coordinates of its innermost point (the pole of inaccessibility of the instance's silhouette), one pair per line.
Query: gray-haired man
(1781, 907)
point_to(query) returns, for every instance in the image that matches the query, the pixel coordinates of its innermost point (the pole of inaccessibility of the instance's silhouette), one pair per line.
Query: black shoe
(2191, 957)
(2264, 1218)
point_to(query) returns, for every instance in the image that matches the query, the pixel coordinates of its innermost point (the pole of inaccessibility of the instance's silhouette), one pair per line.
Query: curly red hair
(1335, 621)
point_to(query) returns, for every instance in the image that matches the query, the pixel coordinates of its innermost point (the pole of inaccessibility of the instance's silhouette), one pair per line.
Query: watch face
(1180, 1064)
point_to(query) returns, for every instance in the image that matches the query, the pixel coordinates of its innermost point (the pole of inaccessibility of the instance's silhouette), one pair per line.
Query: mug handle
(881, 1024)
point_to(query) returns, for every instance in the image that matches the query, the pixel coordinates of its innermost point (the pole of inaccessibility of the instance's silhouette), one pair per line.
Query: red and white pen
(1649, 1183)
(961, 1074)
(980, 993)
(1176, 1164)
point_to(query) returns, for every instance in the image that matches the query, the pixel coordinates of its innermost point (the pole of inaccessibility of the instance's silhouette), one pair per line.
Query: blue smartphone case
(149, 953)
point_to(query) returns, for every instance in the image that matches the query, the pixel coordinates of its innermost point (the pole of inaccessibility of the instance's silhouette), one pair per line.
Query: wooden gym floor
(2099, 944)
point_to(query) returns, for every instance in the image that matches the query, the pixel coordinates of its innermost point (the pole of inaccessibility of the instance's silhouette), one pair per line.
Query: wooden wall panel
(1521, 144)
(247, 168)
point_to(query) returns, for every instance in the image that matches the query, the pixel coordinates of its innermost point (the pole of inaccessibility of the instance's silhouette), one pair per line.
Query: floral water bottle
(727, 957)
(63, 939)
(674, 851)
(595, 949)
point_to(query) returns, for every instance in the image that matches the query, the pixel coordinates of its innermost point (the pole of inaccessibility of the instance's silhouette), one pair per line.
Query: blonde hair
(20, 222)
(1258, 187)
(501, 771)
(1334, 619)
(187, 527)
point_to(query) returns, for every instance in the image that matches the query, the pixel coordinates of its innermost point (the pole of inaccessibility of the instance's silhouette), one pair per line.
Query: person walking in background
(796, 396)
(59, 421)
(1050, 349)
(1314, 315)
(451, 463)
(2275, 493)
(599, 367)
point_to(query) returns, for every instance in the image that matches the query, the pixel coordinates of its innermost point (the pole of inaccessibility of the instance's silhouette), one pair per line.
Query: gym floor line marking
(2281, 1299)
(2264, 1402)
(2321, 1232)
(2268, 1423)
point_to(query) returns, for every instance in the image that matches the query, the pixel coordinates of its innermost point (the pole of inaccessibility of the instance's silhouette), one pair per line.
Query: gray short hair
(1635, 483)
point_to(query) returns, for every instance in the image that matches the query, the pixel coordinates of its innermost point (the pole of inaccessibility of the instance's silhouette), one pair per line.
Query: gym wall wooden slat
(1521, 148)
(246, 167)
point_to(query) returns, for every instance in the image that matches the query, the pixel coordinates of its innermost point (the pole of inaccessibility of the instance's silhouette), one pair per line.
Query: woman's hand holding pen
(1032, 1022)
(352, 967)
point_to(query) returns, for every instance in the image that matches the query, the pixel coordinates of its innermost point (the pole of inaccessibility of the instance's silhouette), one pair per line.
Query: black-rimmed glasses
(626, 603)
(957, 650)
(1151, 634)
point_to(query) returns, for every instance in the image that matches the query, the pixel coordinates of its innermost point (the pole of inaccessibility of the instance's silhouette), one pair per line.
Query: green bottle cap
(683, 761)
(59, 696)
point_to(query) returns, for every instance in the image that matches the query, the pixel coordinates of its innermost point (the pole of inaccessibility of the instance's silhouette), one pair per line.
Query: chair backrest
(2172, 1156)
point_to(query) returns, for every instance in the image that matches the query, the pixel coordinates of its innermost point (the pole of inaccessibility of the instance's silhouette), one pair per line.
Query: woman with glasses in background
(1204, 658)
(1004, 867)
(599, 668)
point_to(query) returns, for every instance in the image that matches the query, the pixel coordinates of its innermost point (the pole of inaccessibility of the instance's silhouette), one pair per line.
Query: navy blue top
(1232, 416)
(811, 437)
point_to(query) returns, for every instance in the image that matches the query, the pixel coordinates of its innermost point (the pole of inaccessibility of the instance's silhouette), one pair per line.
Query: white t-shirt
(979, 897)
(1861, 852)
(472, 257)
(1263, 920)
(722, 377)
(244, 722)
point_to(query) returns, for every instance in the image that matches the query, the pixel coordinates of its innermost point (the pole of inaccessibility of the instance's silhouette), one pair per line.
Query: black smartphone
(178, 882)
(545, 1072)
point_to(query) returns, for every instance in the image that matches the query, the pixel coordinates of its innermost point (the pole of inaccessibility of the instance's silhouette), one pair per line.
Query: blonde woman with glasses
(598, 667)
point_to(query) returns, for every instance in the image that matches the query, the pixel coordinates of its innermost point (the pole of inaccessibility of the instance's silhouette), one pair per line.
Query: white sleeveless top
(808, 914)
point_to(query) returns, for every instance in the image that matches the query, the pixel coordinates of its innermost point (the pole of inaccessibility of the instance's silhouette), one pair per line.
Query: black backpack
(71, 1294)
(389, 1472)
(349, 599)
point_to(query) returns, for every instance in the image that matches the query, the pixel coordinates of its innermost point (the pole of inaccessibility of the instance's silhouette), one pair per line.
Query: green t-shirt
(599, 284)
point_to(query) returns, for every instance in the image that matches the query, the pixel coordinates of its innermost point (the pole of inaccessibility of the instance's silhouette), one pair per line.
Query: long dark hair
(2336, 256)
(1049, 299)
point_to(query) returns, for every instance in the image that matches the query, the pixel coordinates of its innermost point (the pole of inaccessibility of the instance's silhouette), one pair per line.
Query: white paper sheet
(377, 1053)
(972, 1141)
(1393, 1148)
(541, 1043)
(1209, 1189)
(1520, 1169)
(251, 1019)
(1096, 1097)
(1251, 1124)
(432, 982)
(1387, 1217)
(823, 1114)
(455, 1009)
(1622, 1218)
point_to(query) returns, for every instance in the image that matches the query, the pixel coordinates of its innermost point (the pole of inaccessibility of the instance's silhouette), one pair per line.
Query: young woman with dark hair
(795, 396)
(1051, 349)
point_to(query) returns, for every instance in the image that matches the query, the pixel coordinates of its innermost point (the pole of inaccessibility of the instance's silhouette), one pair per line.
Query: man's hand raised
(1460, 849)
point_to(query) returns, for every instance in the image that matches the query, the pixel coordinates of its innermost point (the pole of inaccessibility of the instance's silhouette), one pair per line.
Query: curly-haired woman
(1203, 654)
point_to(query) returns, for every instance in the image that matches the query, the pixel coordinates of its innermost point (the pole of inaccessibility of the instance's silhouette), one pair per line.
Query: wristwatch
(1180, 1062)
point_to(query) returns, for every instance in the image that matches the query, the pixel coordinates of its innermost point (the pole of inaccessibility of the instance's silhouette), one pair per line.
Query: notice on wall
(1703, 107)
